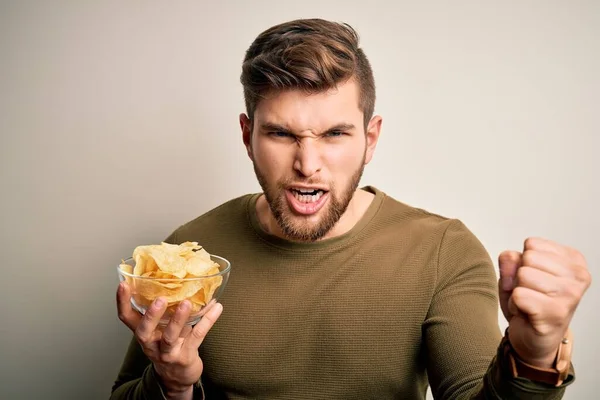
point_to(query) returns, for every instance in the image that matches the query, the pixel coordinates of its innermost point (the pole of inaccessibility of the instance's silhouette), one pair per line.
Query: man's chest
(351, 322)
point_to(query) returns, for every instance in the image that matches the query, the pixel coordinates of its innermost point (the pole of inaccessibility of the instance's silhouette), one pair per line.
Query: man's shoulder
(231, 212)
(452, 240)
(398, 211)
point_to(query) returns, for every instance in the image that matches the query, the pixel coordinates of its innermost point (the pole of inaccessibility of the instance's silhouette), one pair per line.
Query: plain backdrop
(119, 122)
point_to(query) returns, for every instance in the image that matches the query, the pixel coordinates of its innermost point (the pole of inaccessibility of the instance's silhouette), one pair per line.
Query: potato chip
(170, 285)
(170, 271)
(127, 269)
(150, 288)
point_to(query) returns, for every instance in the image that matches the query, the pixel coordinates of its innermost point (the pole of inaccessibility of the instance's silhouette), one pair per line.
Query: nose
(308, 158)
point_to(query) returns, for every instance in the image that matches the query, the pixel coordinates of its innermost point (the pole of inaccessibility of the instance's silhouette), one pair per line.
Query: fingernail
(121, 287)
(159, 303)
(507, 284)
(184, 306)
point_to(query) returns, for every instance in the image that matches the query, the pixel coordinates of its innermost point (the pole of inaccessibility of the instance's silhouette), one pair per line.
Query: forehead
(301, 111)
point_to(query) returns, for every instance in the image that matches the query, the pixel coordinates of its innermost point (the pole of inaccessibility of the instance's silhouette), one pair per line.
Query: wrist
(172, 390)
(531, 356)
(539, 362)
(179, 394)
(555, 375)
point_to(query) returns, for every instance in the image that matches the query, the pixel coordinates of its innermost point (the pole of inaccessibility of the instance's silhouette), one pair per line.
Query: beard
(300, 228)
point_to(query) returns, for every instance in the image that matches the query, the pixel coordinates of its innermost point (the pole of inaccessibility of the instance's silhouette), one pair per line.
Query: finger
(539, 280)
(512, 309)
(185, 331)
(146, 332)
(195, 338)
(530, 302)
(508, 263)
(126, 313)
(549, 262)
(172, 332)
(572, 258)
(542, 312)
(549, 246)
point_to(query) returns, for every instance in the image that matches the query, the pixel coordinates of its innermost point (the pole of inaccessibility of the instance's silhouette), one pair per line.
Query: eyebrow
(270, 127)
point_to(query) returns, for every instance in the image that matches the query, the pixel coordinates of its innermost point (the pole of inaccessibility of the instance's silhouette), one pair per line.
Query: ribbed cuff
(504, 386)
(151, 386)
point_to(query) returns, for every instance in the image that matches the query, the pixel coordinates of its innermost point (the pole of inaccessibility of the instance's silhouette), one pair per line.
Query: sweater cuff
(504, 386)
(151, 386)
(153, 390)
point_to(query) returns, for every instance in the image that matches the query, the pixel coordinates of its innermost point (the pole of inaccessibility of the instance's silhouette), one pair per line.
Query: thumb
(508, 263)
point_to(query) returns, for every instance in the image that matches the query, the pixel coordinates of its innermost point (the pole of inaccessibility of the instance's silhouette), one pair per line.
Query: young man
(340, 292)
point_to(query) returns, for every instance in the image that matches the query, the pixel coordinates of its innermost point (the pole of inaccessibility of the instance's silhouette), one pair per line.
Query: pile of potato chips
(168, 270)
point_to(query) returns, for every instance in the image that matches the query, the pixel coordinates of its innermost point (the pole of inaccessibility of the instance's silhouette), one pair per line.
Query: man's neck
(358, 206)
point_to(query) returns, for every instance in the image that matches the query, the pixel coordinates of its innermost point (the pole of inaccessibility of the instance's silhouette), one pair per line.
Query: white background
(119, 122)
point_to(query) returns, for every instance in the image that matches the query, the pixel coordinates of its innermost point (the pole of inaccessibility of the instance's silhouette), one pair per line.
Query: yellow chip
(150, 289)
(164, 265)
(127, 269)
(170, 285)
(140, 264)
(188, 289)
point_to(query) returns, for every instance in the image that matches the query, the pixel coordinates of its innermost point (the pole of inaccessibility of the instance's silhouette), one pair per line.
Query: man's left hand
(539, 290)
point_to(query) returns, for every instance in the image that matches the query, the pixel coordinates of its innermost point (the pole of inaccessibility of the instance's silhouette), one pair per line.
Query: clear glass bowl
(202, 291)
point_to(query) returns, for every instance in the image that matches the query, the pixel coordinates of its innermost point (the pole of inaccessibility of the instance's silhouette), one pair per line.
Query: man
(340, 292)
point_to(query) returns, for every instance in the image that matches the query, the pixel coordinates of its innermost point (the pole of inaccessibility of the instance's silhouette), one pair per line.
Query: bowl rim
(220, 273)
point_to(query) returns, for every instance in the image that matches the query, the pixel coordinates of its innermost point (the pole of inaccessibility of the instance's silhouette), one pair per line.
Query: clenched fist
(539, 290)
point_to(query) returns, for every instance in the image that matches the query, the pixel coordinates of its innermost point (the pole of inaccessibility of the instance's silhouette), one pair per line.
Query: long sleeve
(461, 330)
(136, 379)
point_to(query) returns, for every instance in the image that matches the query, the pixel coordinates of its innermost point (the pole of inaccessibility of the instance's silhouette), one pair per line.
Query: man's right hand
(173, 349)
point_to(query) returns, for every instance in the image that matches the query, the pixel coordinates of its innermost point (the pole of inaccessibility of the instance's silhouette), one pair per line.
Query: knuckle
(523, 274)
(123, 316)
(178, 319)
(530, 243)
(528, 257)
(141, 336)
(517, 295)
(571, 291)
(150, 313)
(169, 340)
(199, 333)
(584, 276)
(211, 321)
(588, 278)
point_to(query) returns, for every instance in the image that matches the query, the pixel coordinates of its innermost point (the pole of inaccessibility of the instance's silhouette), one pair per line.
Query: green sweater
(405, 299)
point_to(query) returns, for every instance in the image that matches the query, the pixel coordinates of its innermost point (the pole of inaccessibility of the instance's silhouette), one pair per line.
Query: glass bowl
(202, 292)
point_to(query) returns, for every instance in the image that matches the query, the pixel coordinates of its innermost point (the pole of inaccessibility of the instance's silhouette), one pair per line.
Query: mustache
(282, 184)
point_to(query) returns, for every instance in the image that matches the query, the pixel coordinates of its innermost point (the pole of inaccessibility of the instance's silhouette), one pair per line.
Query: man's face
(309, 152)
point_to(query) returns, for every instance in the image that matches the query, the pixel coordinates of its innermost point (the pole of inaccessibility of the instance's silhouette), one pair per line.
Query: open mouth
(306, 201)
(307, 195)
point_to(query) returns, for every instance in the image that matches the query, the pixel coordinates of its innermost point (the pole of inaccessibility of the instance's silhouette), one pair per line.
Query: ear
(373, 131)
(246, 125)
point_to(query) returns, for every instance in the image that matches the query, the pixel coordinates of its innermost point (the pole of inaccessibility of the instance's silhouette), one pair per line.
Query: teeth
(307, 198)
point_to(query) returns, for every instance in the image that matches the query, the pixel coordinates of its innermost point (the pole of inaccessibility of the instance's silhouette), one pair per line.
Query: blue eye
(334, 134)
(280, 134)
